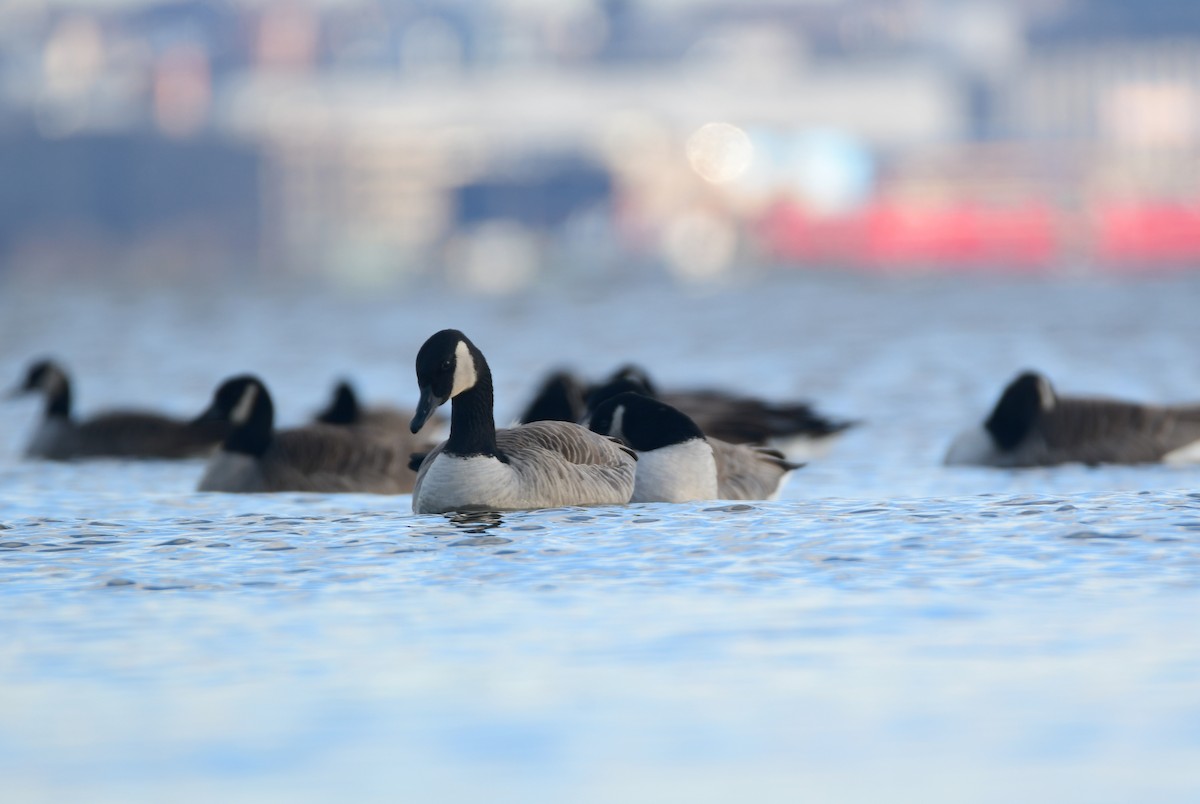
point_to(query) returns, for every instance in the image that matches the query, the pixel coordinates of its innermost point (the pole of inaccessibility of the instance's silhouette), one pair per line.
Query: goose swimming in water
(678, 463)
(320, 458)
(1032, 425)
(115, 434)
(793, 426)
(538, 465)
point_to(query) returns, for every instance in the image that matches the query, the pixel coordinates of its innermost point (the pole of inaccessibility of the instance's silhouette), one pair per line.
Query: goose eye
(447, 364)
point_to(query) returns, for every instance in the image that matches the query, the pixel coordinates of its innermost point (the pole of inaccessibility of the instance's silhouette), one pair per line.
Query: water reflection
(480, 524)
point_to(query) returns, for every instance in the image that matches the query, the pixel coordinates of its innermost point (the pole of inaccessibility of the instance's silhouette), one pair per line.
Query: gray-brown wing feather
(746, 472)
(1106, 431)
(560, 461)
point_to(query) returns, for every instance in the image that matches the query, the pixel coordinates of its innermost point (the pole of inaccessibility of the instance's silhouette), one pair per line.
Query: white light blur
(720, 152)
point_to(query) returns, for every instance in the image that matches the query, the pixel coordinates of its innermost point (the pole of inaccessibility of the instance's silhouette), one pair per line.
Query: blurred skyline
(496, 144)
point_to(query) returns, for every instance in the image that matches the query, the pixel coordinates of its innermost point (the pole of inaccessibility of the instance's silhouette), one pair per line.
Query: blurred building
(497, 142)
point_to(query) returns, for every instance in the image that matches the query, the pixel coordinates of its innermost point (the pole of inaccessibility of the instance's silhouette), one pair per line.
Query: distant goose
(560, 398)
(731, 417)
(321, 458)
(677, 463)
(345, 410)
(1032, 425)
(115, 434)
(538, 465)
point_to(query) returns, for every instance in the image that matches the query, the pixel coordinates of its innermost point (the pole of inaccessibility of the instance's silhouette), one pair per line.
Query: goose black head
(244, 403)
(559, 399)
(49, 378)
(43, 375)
(343, 408)
(448, 364)
(616, 385)
(636, 374)
(1023, 401)
(643, 423)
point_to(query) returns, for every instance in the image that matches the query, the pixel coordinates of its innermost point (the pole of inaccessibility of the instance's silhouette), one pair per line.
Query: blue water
(890, 630)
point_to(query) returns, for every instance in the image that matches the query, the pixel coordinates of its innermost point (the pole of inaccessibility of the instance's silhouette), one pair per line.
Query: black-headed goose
(321, 458)
(1032, 425)
(738, 419)
(678, 463)
(560, 398)
(114, 434)
(386, 422)
(536, 465)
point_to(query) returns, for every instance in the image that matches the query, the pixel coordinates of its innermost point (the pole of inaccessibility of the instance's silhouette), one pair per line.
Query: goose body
(1031, 425)
(736, 418)
(116, 434)
(677, 462)
(317, 458)
(537, 465)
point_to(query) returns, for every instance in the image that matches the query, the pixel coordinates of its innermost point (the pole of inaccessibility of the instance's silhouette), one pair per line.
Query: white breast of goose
(51, 439)
(457, 483)
(1187, 454)
(233, 472)
(676, 473)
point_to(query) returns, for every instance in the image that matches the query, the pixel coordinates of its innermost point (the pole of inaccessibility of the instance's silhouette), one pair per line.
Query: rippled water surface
(889, 630)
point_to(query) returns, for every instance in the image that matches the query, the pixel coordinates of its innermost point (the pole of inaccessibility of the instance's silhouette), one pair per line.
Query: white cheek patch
(617, 427)
(241, 411)
(1046, 396)
(464, 370)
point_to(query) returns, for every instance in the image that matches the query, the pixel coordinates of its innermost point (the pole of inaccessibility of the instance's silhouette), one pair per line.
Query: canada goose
(1032, 425)
(537, 465)
(678, 463)
(115, 434)
(256, 458)
(731, 417)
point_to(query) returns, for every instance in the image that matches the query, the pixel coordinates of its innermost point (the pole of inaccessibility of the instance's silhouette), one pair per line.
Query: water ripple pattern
(889, 630)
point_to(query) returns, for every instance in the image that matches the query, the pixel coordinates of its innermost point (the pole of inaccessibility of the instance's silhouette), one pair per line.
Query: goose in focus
(1032, 425)
(790, 426)
(678, 463)
(543, 464)
(114, 434)
(256, 458)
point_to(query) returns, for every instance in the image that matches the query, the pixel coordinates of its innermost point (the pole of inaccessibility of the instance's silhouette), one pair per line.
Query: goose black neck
(472, 425)
(58, 401)
(254, 436)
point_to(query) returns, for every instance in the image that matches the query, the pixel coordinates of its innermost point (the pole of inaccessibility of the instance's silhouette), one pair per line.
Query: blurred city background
(491, 144)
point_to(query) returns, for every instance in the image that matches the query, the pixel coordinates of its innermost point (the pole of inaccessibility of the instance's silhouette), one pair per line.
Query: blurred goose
(537, 465)
(794, 426)
(678, 463)
(560, 398)
(257, 458)
(386, 422)
(115, 434)
(1032, 425)
(742, 419)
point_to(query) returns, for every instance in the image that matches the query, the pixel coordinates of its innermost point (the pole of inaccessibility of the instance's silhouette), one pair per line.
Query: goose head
(1023, 401)
(49, 379)
(43, 376)
(643, 423)
(243, 403)
(1028, 397)
(448, 364)
(343, 408)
